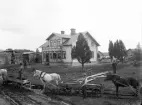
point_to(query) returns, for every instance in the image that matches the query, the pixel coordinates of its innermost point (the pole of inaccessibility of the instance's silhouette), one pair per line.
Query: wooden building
(58, 46)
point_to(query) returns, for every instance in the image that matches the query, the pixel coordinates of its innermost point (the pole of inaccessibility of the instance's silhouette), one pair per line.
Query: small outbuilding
(28, 56)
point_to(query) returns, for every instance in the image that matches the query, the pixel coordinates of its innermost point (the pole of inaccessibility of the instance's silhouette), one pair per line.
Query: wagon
(81, 87)
(76, 88)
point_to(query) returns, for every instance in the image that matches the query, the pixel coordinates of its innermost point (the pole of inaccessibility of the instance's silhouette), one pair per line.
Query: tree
(9, 49)
(37, 51)
(12, 58)
(118, 50)
(82, 51)
(122, 50)
(37, 58)
(73, 53)
(110, 49)
(138, 53)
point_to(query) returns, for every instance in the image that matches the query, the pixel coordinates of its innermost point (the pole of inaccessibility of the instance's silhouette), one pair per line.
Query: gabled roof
(68, 42)
(44, 45)
(68, 38)
(86, 32)
(131, 50)
(60, 35)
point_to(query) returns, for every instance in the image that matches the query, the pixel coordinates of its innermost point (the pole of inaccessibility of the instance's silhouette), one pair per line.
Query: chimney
(62, 32)
(73, 31)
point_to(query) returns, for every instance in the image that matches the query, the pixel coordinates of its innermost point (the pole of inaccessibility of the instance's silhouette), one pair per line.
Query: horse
(123, 82)
(47, 78)
(3, 75)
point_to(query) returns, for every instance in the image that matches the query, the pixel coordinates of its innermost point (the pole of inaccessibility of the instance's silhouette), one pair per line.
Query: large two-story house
(58, 46)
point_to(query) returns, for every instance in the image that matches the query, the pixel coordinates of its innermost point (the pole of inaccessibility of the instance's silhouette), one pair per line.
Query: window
(64, 55)
(54, 55)
(59, 55)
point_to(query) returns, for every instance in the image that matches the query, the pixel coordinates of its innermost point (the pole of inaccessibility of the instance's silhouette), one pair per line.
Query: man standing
(114, 64)
(20, 71)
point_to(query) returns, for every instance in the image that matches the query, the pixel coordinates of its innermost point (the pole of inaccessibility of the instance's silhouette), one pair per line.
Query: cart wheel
(97, 92)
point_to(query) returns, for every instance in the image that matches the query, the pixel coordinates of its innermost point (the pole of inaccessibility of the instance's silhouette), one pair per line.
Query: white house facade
(57, 48)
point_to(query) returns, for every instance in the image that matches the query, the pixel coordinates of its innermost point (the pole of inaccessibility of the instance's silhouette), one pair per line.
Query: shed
(28, 56)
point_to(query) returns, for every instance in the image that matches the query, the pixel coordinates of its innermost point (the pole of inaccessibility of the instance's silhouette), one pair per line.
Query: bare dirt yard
(12, 96)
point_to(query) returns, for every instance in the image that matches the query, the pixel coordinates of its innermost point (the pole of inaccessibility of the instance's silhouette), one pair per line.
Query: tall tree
(122, 50)
(119, 50)
(115, 49)
(82, 51)
(12, 58)
(37, 59)
(138, 53)
(73, 53)
(110, 49)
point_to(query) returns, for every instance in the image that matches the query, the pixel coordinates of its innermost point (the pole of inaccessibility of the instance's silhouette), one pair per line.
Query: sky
(25, 24)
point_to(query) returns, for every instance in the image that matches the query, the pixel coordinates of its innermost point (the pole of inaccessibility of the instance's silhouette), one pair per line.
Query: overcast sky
(27, 23)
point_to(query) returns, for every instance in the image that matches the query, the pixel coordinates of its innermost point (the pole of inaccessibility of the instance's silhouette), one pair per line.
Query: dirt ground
(11, 96)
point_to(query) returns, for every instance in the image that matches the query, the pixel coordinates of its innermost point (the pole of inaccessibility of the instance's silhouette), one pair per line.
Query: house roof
(57, 34)
(91, 37)
(28, 52)
(44, 45)
(130, 50)
(68, 42)
(69, 37)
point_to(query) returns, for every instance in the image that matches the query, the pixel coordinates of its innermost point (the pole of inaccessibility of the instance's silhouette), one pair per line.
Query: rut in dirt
(18, 96)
